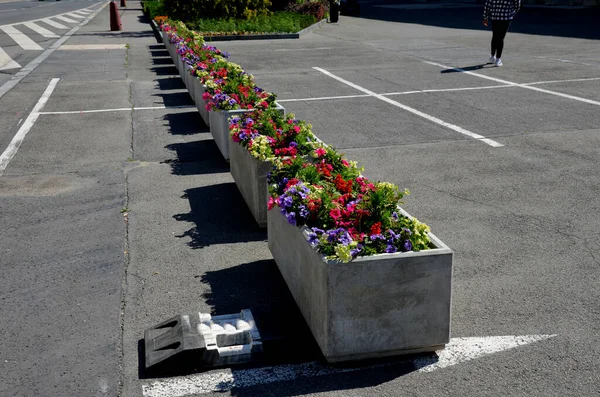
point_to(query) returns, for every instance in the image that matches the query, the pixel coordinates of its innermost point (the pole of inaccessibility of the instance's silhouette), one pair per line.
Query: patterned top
(501, 9)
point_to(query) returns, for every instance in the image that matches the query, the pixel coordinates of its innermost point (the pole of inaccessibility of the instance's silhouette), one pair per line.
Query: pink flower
(271, 203)
(335, 213)
(320, 152)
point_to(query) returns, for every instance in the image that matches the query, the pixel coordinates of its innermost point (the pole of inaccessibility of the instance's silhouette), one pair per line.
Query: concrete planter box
(219, 126)
(250, 176)
(188, 80)
(198, 90)
(383, 305)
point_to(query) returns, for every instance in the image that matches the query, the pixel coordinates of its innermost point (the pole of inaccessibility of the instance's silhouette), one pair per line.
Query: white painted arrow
(457, 351)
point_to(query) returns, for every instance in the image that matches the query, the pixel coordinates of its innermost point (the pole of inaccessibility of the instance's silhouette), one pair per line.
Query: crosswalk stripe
(44, 32)
(81, 12)
(21, 39)
(68, 20)
(6, 62)
(54, 24)
(72, 14)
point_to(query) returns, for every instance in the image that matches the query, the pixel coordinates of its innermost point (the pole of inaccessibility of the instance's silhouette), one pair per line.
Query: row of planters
(369, 279)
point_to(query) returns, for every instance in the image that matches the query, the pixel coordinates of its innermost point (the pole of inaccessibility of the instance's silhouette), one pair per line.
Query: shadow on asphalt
(186, 123)
(197, 158)
(170, 70)
(235, 225)
(259, 286)
(171, 99)
(563, 22)
(467, 68)
(170, 83)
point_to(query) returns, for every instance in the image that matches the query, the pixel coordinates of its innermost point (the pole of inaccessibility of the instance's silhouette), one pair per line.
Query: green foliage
(191, 10)
(154, 8)
(285, 22)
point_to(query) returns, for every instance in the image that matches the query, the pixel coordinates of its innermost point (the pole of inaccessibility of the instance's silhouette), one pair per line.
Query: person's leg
(494, 46)
(502, 28)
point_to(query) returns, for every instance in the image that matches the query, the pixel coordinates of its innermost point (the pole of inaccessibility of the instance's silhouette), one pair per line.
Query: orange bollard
(115, 18)
(123, 3)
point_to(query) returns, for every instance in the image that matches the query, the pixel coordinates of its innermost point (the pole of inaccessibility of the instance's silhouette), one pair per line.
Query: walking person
(501, 12)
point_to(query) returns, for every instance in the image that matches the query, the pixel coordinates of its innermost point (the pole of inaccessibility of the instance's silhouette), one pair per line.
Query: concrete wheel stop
(201, 340)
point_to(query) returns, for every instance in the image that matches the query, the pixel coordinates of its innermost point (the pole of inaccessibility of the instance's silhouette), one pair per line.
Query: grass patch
(279, 22)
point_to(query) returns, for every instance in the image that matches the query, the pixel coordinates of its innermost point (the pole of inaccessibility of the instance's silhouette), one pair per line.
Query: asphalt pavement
(121, 212)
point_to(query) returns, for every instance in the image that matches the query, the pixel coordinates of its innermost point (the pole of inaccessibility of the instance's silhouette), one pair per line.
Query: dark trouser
(499, 29)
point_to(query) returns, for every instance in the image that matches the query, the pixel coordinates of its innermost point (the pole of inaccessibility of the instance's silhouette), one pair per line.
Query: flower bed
(369, 279)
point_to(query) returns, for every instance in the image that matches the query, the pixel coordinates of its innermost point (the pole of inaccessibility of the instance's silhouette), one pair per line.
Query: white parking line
(119, 109)
(40, 30)
(17, 140)
(20, 38)
(324, 98)
(414, 111)
(563, 81)
(6, 62)
(457, 351)
(529, 87)
(54, 24)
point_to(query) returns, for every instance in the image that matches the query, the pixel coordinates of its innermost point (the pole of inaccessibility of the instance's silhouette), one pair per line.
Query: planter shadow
(185, 123)
(160, 52)
(230, 223)
(162, 61)
(173, 99)
(165, 70)
(197, 158)
(170, 83)
(258, 286)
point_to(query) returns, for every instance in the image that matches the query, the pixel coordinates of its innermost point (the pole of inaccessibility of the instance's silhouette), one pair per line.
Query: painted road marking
(563, 81)
(457, 351)
(73, 15)
(21, 74)
(43, 31)
(324, 98)
(92, 47)
(414, 111)
(16, 142)
(54, 24)
(20, 38)
(119, 109)
(65, 19)
(6, 62)
(529, 87)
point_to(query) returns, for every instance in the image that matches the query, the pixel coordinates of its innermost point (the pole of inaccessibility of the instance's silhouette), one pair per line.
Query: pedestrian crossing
(50, 27)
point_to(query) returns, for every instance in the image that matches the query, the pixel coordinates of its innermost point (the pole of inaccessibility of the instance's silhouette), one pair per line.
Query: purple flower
(395, 215)
(394, 236)
(390, 249)
(232, 101)
(376, 237)
(234, 120)
(345, 238)
(313, 239)
(293, 144)
(407, 245)
(317, 230)
(287, 201)
(291, 217)
(213, 60)
(303, 212)
(407, 231)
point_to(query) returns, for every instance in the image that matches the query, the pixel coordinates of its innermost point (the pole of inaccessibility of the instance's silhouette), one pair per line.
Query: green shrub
(284, 22)
(190, 10)
(153, 8)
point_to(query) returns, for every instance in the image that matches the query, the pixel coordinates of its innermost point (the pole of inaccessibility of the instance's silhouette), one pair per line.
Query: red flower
(376, 228)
